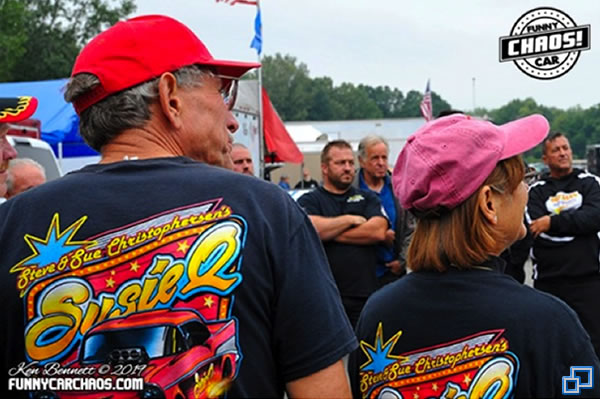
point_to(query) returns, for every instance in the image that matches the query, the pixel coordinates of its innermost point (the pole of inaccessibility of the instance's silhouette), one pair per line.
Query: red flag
(277, 138)
(234, 2)
(426, 105)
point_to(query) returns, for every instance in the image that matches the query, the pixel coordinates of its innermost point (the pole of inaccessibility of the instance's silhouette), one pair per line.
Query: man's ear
(361, 162)
(323, 169)
(169, 99)
(488, 204)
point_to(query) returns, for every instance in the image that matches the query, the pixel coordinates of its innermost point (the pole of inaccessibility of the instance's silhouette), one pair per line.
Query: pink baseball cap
(142, 48)
(447, 160)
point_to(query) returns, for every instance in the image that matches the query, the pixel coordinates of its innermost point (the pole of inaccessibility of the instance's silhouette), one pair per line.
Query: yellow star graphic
(110, 283)
(434, 387)
(183, 247)
(112, 272)
(55, 240)
(416, 396)
(369, 349)
(467, 379)
(208, 302)
(134, 266)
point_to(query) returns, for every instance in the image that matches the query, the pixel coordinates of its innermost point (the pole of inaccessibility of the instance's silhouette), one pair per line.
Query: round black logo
(545, 43)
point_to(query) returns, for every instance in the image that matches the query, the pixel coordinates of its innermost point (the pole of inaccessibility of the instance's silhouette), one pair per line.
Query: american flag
(426, 106)
(234, 2)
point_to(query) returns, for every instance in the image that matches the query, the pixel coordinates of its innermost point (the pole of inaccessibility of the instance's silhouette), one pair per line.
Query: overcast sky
(400, 43)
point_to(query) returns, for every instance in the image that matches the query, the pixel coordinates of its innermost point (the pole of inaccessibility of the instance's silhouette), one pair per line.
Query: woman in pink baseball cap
(457, 325)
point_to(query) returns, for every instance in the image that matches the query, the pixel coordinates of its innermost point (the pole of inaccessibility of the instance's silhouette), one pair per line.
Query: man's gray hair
(128, 109)
(16, 163)
(368, 142)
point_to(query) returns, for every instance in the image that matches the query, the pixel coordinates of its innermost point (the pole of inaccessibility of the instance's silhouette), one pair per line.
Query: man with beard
(350, 223)
(564, 219)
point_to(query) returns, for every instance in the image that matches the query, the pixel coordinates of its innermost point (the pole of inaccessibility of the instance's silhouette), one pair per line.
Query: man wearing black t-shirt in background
(307, 182)
(350, 223)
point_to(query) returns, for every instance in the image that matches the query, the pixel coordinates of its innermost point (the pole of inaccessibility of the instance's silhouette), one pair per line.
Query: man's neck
(139, 144)
(558, 173)
(333, 189)
(374, 183)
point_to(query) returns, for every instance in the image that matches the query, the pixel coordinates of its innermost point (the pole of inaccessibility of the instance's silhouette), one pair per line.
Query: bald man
(23, 174)
(242, 159)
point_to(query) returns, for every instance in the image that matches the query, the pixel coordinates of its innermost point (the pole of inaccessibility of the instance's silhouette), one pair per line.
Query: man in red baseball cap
(11, 110)
(156, 263)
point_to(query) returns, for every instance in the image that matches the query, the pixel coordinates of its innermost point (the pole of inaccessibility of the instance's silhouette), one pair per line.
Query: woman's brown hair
(463, 237)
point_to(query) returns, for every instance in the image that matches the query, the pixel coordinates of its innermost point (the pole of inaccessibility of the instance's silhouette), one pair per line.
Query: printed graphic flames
(183, 264)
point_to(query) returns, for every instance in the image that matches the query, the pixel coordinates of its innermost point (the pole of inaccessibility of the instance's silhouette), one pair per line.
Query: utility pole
(474, 103)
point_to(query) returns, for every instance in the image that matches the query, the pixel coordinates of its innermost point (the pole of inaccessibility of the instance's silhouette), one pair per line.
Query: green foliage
(12, 36)
(580, 126)
(288, 85)
(45, 36)
(297, 96)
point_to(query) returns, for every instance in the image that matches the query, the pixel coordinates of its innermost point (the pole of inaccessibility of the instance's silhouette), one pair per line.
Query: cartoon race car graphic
(177, 353)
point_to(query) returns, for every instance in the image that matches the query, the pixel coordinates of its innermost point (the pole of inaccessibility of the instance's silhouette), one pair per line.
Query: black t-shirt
(353, 266)
(306, 184)
(197, 279)
(467, 334)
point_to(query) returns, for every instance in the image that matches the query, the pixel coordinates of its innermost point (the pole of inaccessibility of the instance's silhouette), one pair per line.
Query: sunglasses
(228, 90)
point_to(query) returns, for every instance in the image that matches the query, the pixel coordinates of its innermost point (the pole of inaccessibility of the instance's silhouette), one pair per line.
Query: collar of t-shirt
(493, 263)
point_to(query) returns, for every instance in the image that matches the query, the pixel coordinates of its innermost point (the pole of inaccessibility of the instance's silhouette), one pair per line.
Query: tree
(12, 36)
(411, 105)
(288, 85)
(388, 100)
(438, 104)
(356, 103)
(52, 32)
(323, 105)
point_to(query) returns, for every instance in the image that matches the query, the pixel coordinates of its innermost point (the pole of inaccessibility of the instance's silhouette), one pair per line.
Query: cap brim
(234, 69)
(523, 134)
(16, 109)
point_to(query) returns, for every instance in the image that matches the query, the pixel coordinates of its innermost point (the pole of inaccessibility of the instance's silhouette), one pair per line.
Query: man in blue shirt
(373, 176)
(284, 182)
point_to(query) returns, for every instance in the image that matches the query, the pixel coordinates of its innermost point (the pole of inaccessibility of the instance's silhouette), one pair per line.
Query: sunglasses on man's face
(228, 90)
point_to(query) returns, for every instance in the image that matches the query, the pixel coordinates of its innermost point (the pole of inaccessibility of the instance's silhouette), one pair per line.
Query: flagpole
(261, 135)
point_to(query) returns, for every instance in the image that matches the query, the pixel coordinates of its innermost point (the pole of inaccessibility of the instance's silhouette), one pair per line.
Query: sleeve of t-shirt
(535, 205)
(310, 204)
(373, 206)
(585, 219)
(311, 329)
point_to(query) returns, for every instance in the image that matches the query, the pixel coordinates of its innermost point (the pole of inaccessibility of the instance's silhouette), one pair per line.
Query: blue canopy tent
(60, 123)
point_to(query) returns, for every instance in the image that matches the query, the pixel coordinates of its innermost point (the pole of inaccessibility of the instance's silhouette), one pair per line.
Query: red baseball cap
(140, 49)
(447, 160)
(17, 109)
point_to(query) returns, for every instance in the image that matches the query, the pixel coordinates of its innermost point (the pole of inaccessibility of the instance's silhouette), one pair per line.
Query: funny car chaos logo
(545, 43)
(477, 366)
(152, 299)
